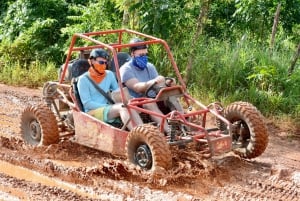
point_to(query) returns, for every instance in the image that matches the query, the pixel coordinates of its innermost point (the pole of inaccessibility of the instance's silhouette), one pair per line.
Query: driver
(138, 75)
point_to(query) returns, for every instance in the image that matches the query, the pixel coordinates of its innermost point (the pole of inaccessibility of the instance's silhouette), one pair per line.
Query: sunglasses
(142, 54)
(102, 62)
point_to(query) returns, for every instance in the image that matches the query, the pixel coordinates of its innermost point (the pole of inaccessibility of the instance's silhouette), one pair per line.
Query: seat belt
(109, 99)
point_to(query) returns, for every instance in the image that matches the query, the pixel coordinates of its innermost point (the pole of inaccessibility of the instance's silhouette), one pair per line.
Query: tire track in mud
(259, 190)
(97, 164)
(98, 170)
(255, 180)
(108, 180)
(254, 189)
(23, 190)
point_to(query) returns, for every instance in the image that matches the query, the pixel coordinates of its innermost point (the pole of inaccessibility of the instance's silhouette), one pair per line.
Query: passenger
(96, 104)
(138, 75)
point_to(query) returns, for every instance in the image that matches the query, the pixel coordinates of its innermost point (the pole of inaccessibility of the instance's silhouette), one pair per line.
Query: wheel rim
(35, 130)
(143, 156)
(241, 136)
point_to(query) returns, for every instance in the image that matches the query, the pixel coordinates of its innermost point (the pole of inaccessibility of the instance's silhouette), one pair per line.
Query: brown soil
(68, 171)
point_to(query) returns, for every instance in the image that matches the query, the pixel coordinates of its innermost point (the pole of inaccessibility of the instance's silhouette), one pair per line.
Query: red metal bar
(68, 58)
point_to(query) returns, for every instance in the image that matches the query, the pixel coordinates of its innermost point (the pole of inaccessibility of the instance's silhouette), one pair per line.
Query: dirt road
(67, 171)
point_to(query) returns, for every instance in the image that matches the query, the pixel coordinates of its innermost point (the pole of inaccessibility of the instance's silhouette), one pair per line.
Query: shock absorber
(173, 125)
(49, 94)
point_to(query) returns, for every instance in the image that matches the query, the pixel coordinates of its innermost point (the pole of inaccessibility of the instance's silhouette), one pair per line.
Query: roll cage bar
(116, 47)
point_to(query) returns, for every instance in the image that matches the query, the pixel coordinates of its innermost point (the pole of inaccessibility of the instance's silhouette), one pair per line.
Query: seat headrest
(122, 57)
(79, 67)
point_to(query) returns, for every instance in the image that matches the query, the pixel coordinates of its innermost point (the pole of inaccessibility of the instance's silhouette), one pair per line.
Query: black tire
(39, 126)
(148, 148)
(250, 134)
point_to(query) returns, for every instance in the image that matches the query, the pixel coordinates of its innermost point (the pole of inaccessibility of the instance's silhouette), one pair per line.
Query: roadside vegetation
(226, 50)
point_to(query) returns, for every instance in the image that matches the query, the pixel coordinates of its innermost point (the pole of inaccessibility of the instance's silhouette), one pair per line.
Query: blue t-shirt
(90, 97)
(129, 71)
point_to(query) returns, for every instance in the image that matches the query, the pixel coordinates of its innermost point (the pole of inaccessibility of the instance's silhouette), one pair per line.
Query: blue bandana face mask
(140, 62)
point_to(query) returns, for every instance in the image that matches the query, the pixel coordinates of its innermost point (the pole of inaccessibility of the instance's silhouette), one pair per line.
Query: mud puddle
(88, 173)
(35, 177)
(81, 173)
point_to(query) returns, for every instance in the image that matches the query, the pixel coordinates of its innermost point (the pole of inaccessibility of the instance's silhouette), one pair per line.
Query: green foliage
(254, 14)
(220, 19)
(296, 32)
(36, 43)
(246, 71)
(95, 16)
(3, 8)
(232, 60)
(290, 14)
(21, 14)
(32, 75)
(164, 19)
(257, 16)
(31, 30)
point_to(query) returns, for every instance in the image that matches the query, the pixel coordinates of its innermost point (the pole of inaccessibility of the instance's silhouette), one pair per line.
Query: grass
(246, 71)
(32, 75)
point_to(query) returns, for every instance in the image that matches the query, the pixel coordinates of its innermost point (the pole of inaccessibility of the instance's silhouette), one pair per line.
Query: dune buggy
(239, 127)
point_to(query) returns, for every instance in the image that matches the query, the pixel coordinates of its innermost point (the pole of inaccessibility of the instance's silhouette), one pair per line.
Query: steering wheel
(168, 79)
(152, 90)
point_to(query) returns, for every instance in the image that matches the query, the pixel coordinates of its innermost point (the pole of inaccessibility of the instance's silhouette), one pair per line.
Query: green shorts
(101, 114)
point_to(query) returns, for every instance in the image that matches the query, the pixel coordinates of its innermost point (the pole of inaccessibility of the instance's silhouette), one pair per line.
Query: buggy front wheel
(148, 148)
(39, 125)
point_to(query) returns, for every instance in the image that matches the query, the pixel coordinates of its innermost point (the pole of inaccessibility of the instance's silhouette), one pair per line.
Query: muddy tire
(39, 126)
(147, 148)
(250, 135)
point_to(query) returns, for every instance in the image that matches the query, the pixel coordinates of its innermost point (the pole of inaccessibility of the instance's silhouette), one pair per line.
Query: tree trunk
(274, 28)
(297, 55)
(126, 17)
(200, 24)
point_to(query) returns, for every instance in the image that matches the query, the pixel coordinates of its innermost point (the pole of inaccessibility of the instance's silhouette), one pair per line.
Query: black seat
(79, 67)
(76, 94)
(122, 57)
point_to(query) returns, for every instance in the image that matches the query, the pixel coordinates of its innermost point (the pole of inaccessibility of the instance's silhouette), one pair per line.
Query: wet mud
(68, 171)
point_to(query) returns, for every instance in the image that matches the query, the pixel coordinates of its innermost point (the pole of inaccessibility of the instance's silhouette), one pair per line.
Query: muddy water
(93, 177)
(107, 189)
(35, 177)
(7, 196)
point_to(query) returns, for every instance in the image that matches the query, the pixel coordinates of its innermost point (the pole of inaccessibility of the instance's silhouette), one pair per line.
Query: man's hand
(170, 81)
(160, 80)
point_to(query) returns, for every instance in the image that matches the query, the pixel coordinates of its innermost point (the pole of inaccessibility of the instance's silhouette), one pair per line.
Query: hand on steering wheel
(152, 90)
(168, 81)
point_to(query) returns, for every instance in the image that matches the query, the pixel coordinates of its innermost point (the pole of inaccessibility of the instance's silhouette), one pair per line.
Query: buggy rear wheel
(250, 135)
(39, 125)
(146, 147)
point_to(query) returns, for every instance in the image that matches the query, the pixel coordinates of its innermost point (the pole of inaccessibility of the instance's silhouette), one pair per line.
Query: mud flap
(220, 145)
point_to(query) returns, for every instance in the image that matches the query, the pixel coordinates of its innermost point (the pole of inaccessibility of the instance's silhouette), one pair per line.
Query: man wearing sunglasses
(96, 104)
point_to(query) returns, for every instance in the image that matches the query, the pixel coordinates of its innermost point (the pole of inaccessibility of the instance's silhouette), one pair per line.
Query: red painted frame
(84, 123)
